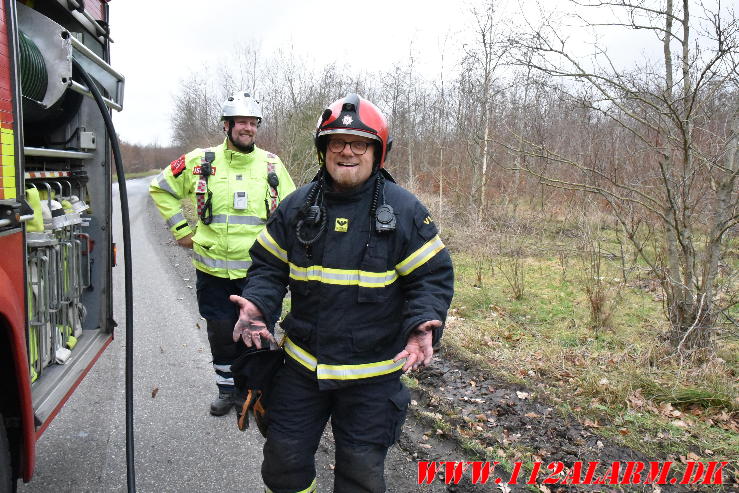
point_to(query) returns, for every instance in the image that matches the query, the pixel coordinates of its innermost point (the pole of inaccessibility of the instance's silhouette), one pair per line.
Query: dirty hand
(418, 350)
(185, 241)
(250, 327)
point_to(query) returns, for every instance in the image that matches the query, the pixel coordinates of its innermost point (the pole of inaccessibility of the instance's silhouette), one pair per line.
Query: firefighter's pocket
(202, 241)
(374, 276)
(372, 295)
(300, 331)
(398, 409)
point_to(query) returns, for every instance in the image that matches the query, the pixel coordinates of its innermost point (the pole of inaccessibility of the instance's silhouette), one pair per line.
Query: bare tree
(483, 59)
(196, 113)
(676, 159)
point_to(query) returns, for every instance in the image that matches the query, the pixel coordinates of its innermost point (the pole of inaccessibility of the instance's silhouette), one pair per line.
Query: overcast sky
(158, 43)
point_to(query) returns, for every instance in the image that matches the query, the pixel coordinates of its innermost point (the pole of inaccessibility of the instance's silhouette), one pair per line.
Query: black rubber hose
(123, 196)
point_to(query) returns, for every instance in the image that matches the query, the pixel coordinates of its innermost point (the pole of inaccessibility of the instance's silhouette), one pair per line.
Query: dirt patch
(460, 404)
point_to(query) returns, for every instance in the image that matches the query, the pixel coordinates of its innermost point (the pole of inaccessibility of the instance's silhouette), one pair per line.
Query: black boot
(222, 404)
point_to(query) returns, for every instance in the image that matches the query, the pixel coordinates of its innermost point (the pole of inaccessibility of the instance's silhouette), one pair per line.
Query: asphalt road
(179, 446)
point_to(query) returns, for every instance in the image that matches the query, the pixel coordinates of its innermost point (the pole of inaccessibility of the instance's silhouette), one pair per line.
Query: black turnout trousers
(366, 419)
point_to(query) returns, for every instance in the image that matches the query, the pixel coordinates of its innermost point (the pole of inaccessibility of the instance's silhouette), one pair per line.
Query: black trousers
(366, 419)
(221, 316)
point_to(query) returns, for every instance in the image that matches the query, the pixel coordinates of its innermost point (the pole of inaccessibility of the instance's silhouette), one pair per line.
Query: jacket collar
(237, 157)
(353, 195)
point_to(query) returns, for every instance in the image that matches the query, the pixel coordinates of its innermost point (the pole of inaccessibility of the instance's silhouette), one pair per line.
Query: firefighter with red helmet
(370, 282)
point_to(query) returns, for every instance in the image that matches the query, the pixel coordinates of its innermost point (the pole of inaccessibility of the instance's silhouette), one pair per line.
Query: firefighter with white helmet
(234, 186)
(370, 283)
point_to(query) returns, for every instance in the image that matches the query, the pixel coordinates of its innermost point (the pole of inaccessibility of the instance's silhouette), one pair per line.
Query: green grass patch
(623, 376)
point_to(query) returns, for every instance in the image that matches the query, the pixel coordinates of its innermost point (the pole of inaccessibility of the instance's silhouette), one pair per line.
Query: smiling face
(347, 168)
(243, 133)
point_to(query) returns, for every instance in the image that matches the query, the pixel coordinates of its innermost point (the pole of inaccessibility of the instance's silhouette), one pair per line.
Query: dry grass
(617, 373)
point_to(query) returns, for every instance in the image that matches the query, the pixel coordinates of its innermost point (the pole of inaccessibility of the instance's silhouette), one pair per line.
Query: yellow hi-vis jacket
(221, 248)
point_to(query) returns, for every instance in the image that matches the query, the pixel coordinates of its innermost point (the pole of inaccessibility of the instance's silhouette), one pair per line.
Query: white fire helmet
(241, 104)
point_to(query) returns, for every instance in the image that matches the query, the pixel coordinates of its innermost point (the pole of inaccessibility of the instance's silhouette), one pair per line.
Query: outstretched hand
(418, 349)
(250, 327)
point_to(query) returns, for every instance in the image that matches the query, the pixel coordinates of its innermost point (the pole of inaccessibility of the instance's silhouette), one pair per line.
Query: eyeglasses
(358, 147)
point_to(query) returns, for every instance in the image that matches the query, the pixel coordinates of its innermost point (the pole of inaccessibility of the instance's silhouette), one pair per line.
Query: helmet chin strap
(244, 149)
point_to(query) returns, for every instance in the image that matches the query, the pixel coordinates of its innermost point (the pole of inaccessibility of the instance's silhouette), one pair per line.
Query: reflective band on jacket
(230, 219)
(162, 183)
(222, 264)
(420, 256)
(176, 219)
(342, 276)
(309, 489)
(269, 243)
(340, 372)
(355, 277)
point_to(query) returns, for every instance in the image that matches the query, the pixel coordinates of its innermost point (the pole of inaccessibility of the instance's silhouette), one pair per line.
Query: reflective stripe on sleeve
(164, 185)
(340, 372)
(420, 256)
(232, 219)
(175, 220)
(269, 243)
(222, 264)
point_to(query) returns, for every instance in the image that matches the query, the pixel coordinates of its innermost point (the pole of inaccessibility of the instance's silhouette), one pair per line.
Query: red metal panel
(6, 95)
(12, 305)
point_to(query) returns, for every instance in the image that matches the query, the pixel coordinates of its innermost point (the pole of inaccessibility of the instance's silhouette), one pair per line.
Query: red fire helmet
(353, 115)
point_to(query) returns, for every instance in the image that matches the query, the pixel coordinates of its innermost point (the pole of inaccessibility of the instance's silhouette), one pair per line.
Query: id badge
(240, 201)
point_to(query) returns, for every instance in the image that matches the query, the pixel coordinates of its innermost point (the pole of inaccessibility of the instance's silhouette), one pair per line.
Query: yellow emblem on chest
(342, 225)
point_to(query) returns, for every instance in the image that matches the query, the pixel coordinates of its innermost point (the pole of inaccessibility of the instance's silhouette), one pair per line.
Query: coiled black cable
(379, 187)
(313, 207)
(206, 215)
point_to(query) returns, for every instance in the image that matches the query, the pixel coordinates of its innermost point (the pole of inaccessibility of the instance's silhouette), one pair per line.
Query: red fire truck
(56, 246)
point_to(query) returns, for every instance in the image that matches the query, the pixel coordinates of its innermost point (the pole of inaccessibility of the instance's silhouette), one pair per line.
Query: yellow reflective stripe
(420, 256)
(269, 243)
(344, 277)
(340, 372)
(355, 372)
(300, 355)
(309, 489)
(7, 163)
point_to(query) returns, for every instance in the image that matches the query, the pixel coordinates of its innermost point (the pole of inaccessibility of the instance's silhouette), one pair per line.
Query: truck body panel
(56, 245)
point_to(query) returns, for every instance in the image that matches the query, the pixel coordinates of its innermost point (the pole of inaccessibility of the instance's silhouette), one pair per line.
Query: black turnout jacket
(356, 294)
